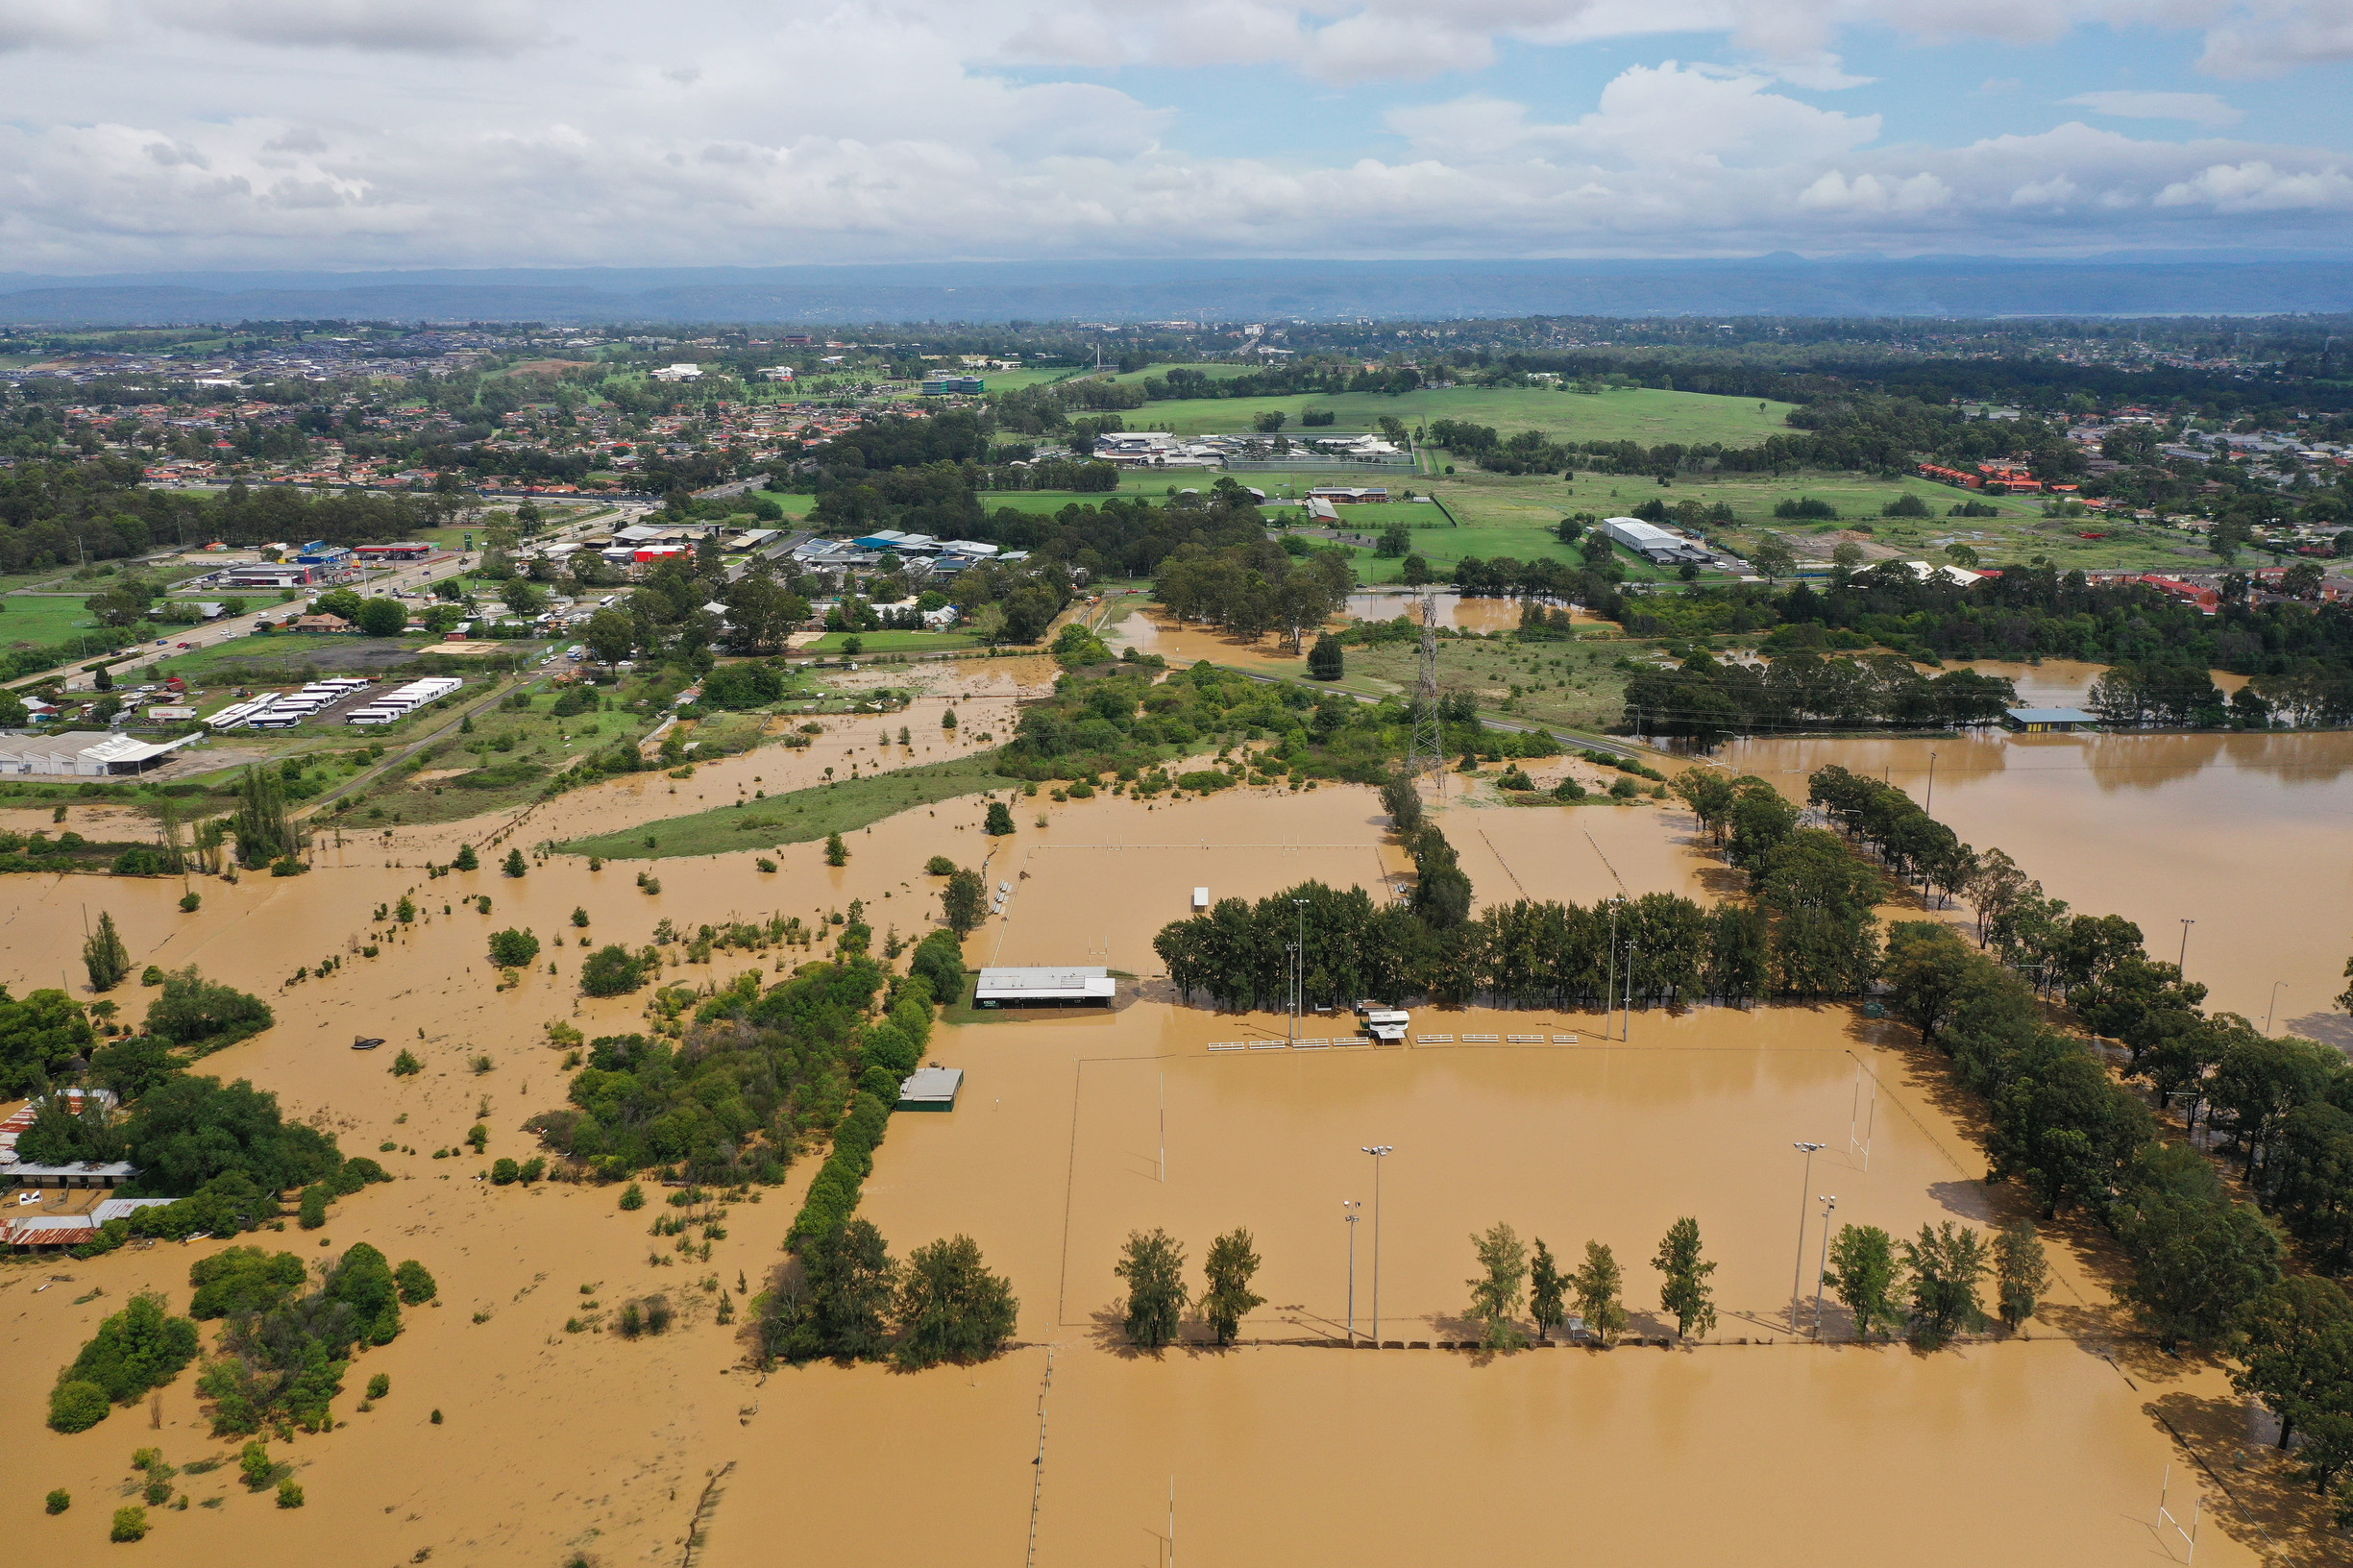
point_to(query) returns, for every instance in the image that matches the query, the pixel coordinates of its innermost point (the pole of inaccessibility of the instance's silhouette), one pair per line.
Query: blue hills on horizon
(1207, 289)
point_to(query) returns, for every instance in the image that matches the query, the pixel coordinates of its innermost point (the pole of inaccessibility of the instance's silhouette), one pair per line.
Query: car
(163, 641)
(184, 646)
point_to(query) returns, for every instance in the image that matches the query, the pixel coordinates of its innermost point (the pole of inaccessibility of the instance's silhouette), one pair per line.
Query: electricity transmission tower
(1426, 753)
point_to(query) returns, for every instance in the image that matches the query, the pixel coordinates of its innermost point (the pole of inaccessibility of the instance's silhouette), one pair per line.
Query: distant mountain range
(998, 292)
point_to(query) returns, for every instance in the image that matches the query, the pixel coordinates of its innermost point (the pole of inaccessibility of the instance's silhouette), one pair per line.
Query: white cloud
(421, 26)
(2196, 108)
(2274, 37)
(753, 131)
(2256, 186)
(29, 24)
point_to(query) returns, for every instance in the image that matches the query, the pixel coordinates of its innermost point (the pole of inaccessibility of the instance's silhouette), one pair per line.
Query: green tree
(1326, 660)
(1227, 1298)
(104, 955)
(1499, 1288)
(512, 949)
(2198, 1258)
(189, 1130)
(964, 902)
(610, 636)
(1547, 1290)
(1598, 1284)
(837, 853)
(950, 1308)
(514, 864)
(840, 1305)
(611, 971)
(2021, 1273)
(259, 820)
(467, 860)
(38, 1035)
(1684, 1288)
(1944, 1265)
(140, 1348)
(1772, 557)
(1863, 1273)
(1154, 1269)
(191, 1011)
(2296, 1349)
(76, 1405)
(1000, 819)
(384, 618)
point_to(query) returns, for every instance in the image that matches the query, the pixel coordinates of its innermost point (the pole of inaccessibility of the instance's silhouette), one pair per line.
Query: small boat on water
(363, 1044)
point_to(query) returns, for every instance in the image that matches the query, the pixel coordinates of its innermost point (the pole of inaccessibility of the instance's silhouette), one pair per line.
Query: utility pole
(1626, 1021)
(1426, 752)
(1379, 1153)
(1299, 968)
(1797, 1275)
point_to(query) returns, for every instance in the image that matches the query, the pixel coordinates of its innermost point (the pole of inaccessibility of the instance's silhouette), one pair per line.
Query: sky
(143, 136)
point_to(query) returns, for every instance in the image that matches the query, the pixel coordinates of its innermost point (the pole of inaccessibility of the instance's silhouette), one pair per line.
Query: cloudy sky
(149, 134)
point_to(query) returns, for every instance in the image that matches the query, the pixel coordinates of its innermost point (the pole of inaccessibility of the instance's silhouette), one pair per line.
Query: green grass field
(1640, 414)
(44, 621)
(893, 642)
(800, 817)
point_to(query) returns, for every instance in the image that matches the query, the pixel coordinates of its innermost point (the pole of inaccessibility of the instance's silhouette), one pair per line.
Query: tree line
(1805, 929)
(1704, 699)
(2208, 1270)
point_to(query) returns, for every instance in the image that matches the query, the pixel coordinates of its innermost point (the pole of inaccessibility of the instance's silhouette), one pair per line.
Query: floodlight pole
(1829, 1207)
(1299, 968)
(1379, 1153)
(1929, 805)
(1797, 1275)
(2183, 962)
(1610, 985)
(1627, 1021)
(2269, 1012)
(1351, 1205)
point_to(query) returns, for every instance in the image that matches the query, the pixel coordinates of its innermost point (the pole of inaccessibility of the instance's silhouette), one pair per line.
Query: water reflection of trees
(2116, 764)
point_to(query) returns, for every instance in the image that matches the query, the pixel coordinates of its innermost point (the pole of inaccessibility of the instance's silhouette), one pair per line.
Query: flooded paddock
(2250, 836)
(2037, 1454)
(560, 1441)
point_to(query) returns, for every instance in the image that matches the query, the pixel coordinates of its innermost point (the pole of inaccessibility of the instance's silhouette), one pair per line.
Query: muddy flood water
(557, 1444)
(2249, 836)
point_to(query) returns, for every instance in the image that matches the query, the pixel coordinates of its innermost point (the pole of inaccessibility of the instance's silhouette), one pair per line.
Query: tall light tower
(1379, 1153)
(1349, 1206)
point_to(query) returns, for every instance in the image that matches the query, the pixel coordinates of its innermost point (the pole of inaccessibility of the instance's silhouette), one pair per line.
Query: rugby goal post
(2169, 1525)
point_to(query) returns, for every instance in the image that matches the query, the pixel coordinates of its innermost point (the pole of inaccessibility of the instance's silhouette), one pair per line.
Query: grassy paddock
(798, 817)
(1643, 415)
(893, 642)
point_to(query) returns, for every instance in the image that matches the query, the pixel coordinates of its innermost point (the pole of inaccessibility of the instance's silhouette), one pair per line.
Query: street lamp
(1929, 805)
(1351, 1205)
(2183, 962)
(1829, 1207)
(2270, 1010)
(1797, 1275)
(1379, 1153)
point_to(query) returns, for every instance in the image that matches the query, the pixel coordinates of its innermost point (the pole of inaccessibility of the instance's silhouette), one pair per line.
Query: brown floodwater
(560, 1440)
(2248, 835)
(2058, 683)
(1470, 614)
